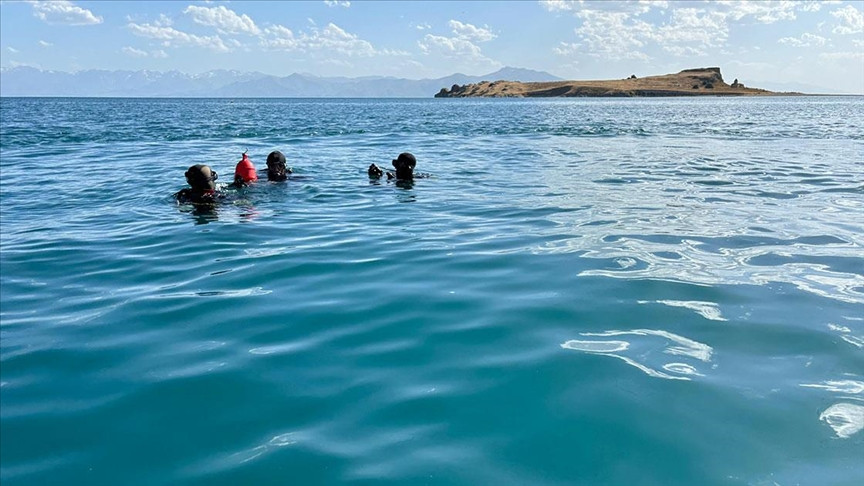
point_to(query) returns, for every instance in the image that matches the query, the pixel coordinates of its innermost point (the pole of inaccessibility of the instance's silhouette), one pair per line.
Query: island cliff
(690, 82)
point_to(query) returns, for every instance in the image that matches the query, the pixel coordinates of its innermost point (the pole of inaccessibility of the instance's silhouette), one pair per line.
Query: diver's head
(404, 165)
(201, 177)
(276, 168)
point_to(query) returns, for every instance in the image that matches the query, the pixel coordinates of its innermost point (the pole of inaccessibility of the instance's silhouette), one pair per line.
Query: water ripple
(846, 419)
(329, 329)
(644, 348)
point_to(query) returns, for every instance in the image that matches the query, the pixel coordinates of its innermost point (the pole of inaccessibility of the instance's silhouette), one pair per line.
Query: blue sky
(820, 43)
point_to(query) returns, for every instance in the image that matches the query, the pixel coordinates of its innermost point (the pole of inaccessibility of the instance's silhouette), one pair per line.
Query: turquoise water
(598, 292)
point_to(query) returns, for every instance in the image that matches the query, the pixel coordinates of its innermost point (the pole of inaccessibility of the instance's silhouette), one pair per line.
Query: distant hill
(689, 82)
(28, 81)
(798, 87)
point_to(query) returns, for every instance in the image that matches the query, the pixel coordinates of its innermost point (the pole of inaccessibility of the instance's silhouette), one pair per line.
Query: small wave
(708, 310)
(847, 335)
(237, 459)
(847, 419)
(839, 386)
(219, 293)
(280, 440)
(701, 267)
(625, 262)
(268, 252)
(285, 348)
(682, 368)
(644, 347)
(596, 346)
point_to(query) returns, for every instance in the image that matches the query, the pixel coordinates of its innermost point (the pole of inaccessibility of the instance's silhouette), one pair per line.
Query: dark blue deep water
(586, 292)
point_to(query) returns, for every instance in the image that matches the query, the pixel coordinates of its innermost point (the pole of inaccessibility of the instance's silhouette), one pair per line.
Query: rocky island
(689, 82)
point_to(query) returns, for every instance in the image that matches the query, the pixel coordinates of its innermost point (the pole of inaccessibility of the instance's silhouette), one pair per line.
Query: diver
(404, 165)
(202, 190)
(276, 169)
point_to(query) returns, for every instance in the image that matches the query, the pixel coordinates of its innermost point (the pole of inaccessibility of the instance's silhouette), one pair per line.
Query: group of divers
(203, 190)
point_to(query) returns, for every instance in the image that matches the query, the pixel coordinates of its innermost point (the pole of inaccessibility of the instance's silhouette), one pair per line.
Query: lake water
(586, 291)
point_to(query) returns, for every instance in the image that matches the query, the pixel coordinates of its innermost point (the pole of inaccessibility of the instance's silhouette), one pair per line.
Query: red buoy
(245, 170)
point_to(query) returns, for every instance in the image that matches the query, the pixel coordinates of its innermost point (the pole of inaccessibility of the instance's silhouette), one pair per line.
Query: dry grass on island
(690, 82)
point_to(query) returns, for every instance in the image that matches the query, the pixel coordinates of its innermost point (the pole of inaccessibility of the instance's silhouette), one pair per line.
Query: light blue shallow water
(599, 292)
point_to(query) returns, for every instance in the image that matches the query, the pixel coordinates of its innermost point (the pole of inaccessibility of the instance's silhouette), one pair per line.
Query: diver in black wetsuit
(404, 165)
(276, 168)
(202, 190)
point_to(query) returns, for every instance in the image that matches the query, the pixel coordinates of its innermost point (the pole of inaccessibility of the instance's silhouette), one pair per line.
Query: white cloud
(131, 51)
(660, 4)
(811, 7)
(461, 46)
(224, 20)
(164, 21)
(331, 39)
(423, 26)
(337, 3)
(12, 50)
(621, 33)
(45, 43)
(15, 64)
(282, 38)
(684, 51)
(636, 8)
(172, 37)
(766, 12)
(851, 20)
(843, 56)
(567, 49)
(470, 32)
(806, 40)
(561, 5)
(455, 48)
(613, 35)
(63, 12)
(816, 5)
(693, 26)
(620, 30)
(450, 46)
(770, 11)
(415, 65)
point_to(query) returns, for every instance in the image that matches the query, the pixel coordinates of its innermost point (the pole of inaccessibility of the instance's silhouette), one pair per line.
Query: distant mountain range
(28, 81)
